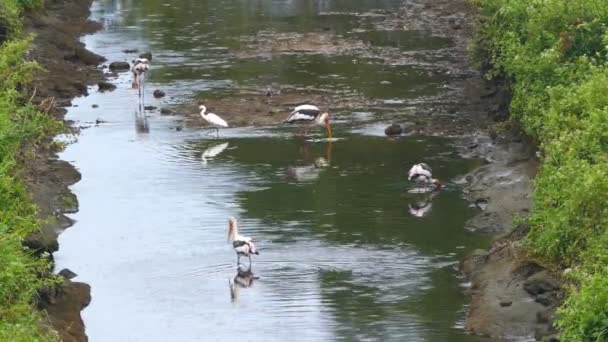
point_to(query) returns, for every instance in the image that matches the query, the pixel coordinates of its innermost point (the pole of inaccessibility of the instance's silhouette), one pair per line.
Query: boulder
(158, 93)
(393, 129)
(105, 86)
(67, 273)
(120, 66)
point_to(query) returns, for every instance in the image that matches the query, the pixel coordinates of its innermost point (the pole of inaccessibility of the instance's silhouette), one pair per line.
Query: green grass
(21, 124)
(554, 54)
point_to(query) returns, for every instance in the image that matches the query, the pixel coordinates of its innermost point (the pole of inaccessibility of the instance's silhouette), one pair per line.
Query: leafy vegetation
(21, 274)
(554, 53)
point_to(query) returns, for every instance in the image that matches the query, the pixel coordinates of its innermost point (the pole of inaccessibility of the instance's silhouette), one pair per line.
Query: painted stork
(423, 175)
(213, 151)
(243, 246)
(310, 115)
(140, 66)
(213, 119)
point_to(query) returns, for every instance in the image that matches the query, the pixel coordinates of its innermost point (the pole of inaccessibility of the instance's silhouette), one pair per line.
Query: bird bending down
(422, 175)
(213, 119)
(243, 246)
(140, 66)
(310, 115)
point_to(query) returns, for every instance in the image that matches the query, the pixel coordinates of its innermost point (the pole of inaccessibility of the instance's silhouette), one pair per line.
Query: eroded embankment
(69, 69)
(554, 55)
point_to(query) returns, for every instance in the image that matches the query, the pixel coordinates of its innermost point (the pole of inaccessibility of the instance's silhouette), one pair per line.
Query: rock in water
(393, 129)
(67, 273)
(147, 55)
(119, 66)
(105, 86)
(166, 111)
(158, 93)
(149, 108)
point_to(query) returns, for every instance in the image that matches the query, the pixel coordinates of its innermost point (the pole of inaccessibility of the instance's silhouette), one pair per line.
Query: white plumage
(213, 119)
(311, 115)
(423, 174)
(242, 245)
(213, 151)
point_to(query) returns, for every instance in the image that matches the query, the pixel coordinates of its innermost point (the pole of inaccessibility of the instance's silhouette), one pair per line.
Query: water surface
(347, 252)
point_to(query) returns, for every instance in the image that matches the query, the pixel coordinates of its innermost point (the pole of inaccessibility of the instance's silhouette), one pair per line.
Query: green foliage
(555, 54)
(21, 274)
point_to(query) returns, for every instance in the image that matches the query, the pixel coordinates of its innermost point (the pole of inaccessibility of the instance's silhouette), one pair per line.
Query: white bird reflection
(212, 152)
(311, 170)
(243, 279)
(422, 204)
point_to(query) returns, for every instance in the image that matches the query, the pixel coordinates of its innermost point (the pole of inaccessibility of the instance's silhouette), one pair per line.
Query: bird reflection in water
(141, 123)
(311, 169)
(422, 204)
(212, 151)
(243, 279)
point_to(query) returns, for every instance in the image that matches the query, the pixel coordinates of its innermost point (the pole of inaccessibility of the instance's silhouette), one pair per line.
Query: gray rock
(393, 129)
(158, 93)
(105, 86)
(540, 283)
(120, 66)
(67, 273)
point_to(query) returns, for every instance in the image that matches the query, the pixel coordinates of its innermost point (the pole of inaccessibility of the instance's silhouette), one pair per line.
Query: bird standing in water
(140, 66)
(311, 116)
(213, 119)
(423, 175)
(243, 245)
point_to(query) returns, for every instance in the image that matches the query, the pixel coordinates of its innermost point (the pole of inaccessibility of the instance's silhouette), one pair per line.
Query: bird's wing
(426, 167)
(305, 114)
(306, 107)
(216, 120)
(241, 246)
(419, 170)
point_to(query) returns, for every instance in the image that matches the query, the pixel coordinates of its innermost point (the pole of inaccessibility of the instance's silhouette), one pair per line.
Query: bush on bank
(21, 274)
(554, 53)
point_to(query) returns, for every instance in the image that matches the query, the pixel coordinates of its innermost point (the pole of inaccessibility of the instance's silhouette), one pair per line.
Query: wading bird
(243, 246)
(215, 121)
(140, 66)
(311, 116)
(422, 175)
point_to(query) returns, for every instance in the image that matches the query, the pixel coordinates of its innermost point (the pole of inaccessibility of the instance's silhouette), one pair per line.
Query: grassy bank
(21, 127)
(554, 53)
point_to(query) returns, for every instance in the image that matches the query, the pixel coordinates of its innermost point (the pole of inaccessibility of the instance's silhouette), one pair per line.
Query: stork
(243, 245)
(311, 116)
(422, 174)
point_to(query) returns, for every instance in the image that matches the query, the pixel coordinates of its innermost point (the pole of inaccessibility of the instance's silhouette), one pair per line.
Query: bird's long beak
(230, 230)
(328, 127)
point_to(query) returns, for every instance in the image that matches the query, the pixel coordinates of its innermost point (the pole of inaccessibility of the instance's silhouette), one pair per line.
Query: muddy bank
(464, 103)
(69, 69)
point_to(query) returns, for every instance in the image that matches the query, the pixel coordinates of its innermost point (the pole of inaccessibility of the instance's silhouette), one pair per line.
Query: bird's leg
(217, 132)
(238, 261)
(249, 262)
